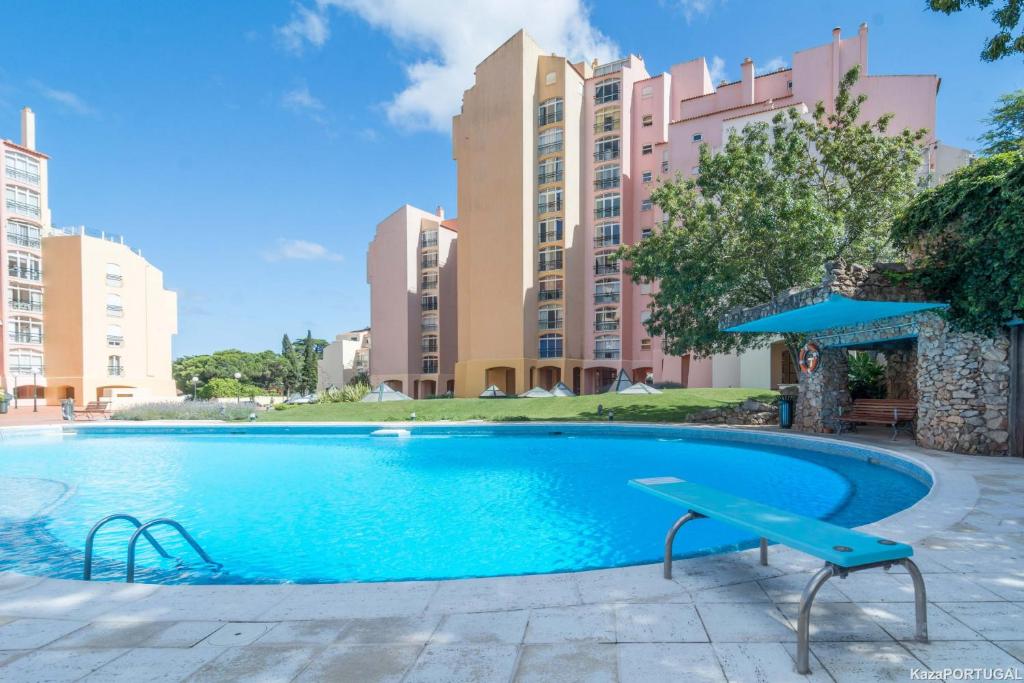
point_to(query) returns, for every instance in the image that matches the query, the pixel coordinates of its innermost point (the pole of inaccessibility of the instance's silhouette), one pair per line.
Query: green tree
(318, 346)
(309, 365)
(1006, 125)
(221, 387)
(966, 238)
(292, 370)
(1006, 15)
(766, 212)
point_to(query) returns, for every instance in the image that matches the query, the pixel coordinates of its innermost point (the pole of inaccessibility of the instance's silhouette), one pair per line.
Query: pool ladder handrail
(142, 530)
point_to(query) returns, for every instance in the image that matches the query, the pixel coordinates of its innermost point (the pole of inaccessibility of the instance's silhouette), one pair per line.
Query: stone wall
(901, 373)
(824, 394)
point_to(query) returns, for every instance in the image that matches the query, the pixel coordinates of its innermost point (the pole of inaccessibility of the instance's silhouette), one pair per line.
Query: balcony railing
(115, 311)
(428, 348)
(606, 268)
(23, 176)
(114, 280)
(114, 340)
(549, 294)
(610, 67)
(606, 298)
(23, 241)
(33, 274)
(30, 306)
(604, 98)
(606, 126)
(548, 207)
(605, 183)
(547, 117)
(607, 212)
(602, 241)
(550, 324)
(550, 264)
(606, 325)
(115, 370)
(549, 148)
(606, 353)
(27, 370)
(429, 262)
(553, 177)
(429, 327)
(606, 155)
(25, 337)
(428, 306)
(550, 236)
(23, 208)
(428, 284)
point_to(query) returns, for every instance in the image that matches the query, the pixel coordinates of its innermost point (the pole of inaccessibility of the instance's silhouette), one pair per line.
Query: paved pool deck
(721, 618)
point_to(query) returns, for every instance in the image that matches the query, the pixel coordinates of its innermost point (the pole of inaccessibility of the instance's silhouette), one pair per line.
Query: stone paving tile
(237, 634)
(506, 593)
(27, 634)
(72, 600)
(464, 663)
(668, 662)
(56, 666)
(256, 664)
(304, 633)
(11, 655)
(562, 624)
(352, 601)
(11, 581)
(483, 627)
(838, 621)
(629, 584)
(112, 634)
(182, 633)
(993, 620)
(154, 665)
(742, 592)
(552, 662)
(712, 571)
(1013, 647)
(1007, 586)
(962, 654)
(390, 631)
(734, 623)
(899, 619)
(360, 664)
(765, 663)
(202, 603)
(789, 587)
(952, 588)
(861, 662)
(658, 623)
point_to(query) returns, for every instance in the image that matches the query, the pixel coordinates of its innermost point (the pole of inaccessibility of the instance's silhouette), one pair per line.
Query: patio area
(721, 618)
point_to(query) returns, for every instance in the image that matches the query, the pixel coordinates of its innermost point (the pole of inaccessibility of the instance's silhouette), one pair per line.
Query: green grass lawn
(674, 405)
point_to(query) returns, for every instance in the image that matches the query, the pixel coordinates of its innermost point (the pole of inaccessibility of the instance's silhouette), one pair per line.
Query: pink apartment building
(410, 266)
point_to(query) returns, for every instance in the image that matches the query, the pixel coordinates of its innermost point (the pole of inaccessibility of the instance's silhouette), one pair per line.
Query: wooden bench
(891, 412)
(101, 408)
(843, 550)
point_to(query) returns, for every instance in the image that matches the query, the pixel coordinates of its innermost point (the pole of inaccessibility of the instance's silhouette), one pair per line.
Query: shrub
(866, 377)
(187, 410)
(350, 393)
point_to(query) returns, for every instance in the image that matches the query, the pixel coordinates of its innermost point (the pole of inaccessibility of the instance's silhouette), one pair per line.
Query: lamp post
(238, 377)
(35, 393)
(195, 387)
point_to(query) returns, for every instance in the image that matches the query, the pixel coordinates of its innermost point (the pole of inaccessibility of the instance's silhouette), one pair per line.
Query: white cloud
(717, 70)
(451, 37)
(694, 8)
(773, 64)
(300, 250)
(300, 99)
(65, 98)
(307, 25)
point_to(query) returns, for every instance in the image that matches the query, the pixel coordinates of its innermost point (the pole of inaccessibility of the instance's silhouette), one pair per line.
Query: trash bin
(787, 404)
(67, 409)
(5, 400)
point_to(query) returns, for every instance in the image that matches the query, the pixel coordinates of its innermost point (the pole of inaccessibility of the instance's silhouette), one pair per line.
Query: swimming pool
(330, 504)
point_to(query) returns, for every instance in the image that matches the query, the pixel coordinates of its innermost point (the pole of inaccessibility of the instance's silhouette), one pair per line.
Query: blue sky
(249, 148)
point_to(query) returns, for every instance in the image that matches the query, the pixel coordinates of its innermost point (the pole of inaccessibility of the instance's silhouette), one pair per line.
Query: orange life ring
(809, 357)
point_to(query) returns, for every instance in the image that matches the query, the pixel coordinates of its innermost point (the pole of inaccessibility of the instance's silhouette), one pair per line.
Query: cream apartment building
(347, 357)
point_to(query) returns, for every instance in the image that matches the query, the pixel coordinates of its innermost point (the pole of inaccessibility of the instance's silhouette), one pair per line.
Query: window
(549, 259)
(550, 78)
(607, 347)
(20, 200)
(607, 121)
(115, 337)
(606, 150)
(25, 362)
(645, 204)
(549, 200)
(645, 233)
(21, 167)
(645, 344)
(114, 367)
(647, 176)
(606, 235)
(25, 331)
(428, 280)
(428, 260)
(549, 141)
(608, 206)
(550, 346)
(645, 316)
(550, 289)
(549, 317)
(113, 275)
(697, 137)
(646, 91)
(23, 234)
(607, 291)
(428, 302)
(606, 320)
(550, 111)
(429, 365)
(647, 121)
(24, 266)
(647, 149)
(607, 177)
(549, 171)
(429, 323)
(25, 299)
(428, 344)
(605, 264)
(428, 238)
(549, 230)
(114, 307)
(607, 91)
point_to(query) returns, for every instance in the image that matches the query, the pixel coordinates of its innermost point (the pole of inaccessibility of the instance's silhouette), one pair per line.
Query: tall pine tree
(292, 369)
(309, 369)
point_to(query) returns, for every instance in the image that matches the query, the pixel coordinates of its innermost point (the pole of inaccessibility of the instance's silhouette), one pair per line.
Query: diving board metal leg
(671, 537)
(764, 551)
(920, 600)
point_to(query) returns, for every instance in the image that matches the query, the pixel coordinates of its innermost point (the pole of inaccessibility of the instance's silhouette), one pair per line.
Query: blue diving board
(843, 550)
(838, 545)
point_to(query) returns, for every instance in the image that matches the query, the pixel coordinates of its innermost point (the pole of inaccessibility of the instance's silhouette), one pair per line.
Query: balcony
(26, 370)
(606, 269)
(610, 67)
(549, 148)
(24, 241)
(606, 97)
(549, 207)
(549, 324)
(607, 212)
(429, 283)
(549, 294)
(553, 177)
(606, 325)
(29, 306)
(546, 236)
(23, 176)
(115, 311)
(114, 280)
(606, 155)
(33, 274)
(429, 327)
(429, 262)
(25, 337)
(547, 117)
(427, 347)
(115, 370)
(607, 126)
(603, 241)
(606, 298)
(428, 305)
(549, 264)
(606, 354)
(23, 208)
(607, 183)
(113, 340)
(426, 242)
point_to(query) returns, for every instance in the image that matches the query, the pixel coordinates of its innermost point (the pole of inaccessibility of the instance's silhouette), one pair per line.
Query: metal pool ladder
(143, 531)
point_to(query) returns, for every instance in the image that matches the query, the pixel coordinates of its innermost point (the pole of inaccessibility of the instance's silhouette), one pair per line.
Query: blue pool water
(337, 504)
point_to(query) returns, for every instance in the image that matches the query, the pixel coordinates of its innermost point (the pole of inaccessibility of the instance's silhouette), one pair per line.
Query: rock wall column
(823, 393)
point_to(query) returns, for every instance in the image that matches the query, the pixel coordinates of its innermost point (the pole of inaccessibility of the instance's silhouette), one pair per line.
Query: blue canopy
(836, 311)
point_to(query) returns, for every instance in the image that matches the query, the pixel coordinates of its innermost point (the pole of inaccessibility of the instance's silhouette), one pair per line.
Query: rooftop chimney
(747, 79)
(862, 33)
(440, 212)
(836, 39)
(28, 128)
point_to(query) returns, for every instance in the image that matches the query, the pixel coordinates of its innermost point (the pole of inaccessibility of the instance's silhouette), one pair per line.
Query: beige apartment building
(518, 144)
(84, 316)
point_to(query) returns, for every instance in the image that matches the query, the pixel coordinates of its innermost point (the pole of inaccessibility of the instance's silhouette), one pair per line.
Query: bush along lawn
(673, 405)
